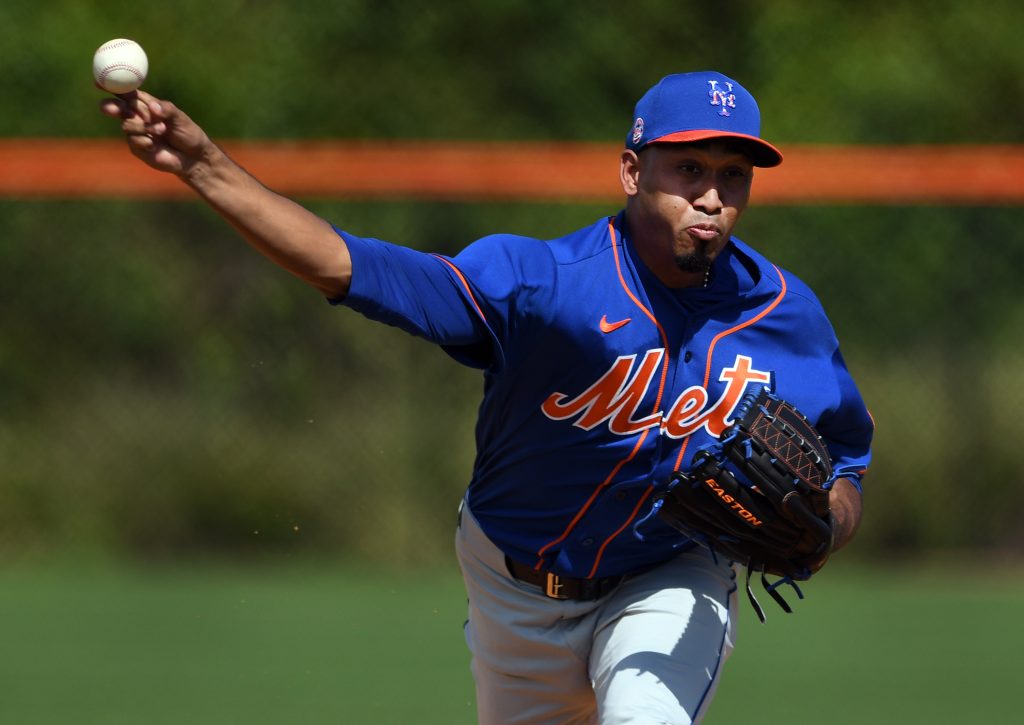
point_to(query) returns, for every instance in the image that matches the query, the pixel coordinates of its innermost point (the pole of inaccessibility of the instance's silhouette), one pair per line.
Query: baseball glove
(760, 496)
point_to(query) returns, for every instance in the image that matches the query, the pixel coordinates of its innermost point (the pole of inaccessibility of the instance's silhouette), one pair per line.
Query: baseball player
(610, 357)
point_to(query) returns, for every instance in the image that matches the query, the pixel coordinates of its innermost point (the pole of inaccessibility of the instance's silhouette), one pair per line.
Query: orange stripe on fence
(527, 171)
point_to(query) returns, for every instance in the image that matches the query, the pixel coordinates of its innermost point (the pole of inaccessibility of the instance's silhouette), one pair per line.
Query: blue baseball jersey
(600, 381)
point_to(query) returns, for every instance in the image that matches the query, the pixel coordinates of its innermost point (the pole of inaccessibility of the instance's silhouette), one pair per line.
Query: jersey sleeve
(848, 429)
(468, 304)
(845, 424)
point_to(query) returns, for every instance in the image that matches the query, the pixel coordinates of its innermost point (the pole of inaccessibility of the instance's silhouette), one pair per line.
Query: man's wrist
(206, 166)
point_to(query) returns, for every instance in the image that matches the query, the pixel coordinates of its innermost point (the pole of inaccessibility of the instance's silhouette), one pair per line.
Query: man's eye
(689, 168)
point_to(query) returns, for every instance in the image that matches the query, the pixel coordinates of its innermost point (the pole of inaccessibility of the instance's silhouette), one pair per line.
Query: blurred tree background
(164, 392)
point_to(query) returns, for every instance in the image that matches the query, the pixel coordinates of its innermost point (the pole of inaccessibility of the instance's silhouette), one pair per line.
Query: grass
(939, 644)
(220, 645)
(341, 644)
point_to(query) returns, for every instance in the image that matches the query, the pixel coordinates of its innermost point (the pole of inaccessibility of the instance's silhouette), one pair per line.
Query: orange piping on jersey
(650, 315)
(465, 284)
(726, 333)
(643, 436)
(707, 377)
(632, 515)
(590, 501)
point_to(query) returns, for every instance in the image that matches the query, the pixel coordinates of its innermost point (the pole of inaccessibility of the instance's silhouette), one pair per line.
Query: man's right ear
(629, 172)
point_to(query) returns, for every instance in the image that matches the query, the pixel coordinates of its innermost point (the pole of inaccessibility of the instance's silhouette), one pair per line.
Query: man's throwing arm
(288, 234)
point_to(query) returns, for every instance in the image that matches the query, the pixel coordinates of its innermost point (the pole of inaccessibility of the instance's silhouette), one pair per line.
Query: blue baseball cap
(696, 106)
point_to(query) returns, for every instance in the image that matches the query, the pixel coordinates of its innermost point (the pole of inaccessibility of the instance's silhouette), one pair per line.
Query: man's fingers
(137, 124)
(136, 103)
(112, 107)
(143, 113)
(154, 107)
(133, 124)
(156, 131)
(141, 142)
(118, 107)
(123, 107)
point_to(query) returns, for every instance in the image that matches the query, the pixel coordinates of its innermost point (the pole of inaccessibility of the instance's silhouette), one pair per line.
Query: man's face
(684, 200)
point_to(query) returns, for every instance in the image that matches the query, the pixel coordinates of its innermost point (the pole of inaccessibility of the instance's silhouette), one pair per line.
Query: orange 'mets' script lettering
(616, 396)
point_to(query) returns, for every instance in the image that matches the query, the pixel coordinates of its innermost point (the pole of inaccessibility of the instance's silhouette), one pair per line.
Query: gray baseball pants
(650, 651)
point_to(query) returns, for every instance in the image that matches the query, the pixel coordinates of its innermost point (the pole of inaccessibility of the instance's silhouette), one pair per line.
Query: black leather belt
(562, 587)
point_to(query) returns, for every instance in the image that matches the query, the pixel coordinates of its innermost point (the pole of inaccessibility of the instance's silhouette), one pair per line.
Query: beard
(696, 261)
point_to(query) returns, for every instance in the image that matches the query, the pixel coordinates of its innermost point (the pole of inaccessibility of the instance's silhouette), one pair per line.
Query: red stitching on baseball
(121, 66)
(116, 44)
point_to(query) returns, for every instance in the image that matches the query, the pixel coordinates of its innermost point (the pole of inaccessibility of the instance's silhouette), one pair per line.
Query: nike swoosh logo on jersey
(607, 327)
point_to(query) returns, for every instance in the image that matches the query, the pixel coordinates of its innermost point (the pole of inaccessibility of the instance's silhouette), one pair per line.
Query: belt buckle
(553, 587)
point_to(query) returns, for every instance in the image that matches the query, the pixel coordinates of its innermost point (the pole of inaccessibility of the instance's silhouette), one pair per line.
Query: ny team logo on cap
(689, 107)
(638, 130)
(726, 99)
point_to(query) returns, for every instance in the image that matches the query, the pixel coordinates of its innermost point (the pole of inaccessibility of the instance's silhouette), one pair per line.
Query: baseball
(120, 65)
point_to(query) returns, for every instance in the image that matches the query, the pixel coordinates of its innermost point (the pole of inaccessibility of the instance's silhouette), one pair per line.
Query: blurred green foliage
(163, 390)
(877, 71)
